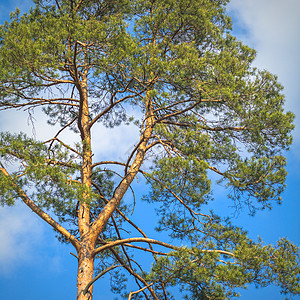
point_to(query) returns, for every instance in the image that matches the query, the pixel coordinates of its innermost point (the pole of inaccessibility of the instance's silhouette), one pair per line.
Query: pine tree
(205, 116)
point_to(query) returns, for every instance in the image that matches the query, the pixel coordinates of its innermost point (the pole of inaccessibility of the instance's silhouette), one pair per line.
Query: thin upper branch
(78, 5)
(123, 248)
(58, 6)
(179, 112)
(111, 106)
(145, 249)
(63, 144)
(37, 102)
(61, 130)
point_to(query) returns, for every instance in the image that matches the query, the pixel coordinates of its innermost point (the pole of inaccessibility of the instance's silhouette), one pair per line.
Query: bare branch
(179, 112)
(98, 276)
(61, 130)
(63, 144)
(133, 240)
(145, 249)
(123, 248)
(112, 105)
(58, 6)
(140, 290)
(36, 102)
(134, 274)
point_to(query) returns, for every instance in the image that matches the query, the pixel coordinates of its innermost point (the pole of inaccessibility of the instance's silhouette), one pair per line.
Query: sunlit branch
(133, 240)
(124, 217)
(78, 5)
(121, 189)
(140, 290)
(40, 212)
(145, 249)
(117, 209)
(108, 162)
(165, 144)
(51, 79)
(216, 170)
(119, 175)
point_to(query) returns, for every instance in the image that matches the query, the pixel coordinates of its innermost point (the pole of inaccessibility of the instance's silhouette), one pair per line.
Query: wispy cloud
(116, 143)
(272, 28)
(20, 231)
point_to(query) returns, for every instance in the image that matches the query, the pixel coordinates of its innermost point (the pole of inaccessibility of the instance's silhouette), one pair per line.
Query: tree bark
(87, 242)
(85, 271)
(86, 171)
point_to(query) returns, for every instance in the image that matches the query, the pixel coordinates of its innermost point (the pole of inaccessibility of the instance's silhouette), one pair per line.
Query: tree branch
(112, 105)
(133, 240)
(61, 130)
(178, 112)
(123, 248)
(63, 144)
(40, 212)
(98, 276)
(133, 273)
(140, 290)
(145, 249)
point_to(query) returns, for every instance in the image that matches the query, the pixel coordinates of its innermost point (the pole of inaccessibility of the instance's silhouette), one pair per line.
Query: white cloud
(34, 125)
(20, 232)
(272, 28)
(114, 143)
(108, 143)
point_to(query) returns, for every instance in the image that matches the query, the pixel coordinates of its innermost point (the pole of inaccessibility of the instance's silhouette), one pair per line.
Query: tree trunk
(87, 242)
(85, 272)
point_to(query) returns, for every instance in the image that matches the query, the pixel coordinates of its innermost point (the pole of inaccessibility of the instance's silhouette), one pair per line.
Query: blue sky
(34, 266)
